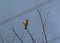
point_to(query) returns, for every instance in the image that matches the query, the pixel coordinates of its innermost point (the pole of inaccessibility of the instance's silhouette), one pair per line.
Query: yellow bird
(25, 23)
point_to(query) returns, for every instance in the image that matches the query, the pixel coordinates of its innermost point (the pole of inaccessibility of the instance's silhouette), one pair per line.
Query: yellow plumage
(25, 23)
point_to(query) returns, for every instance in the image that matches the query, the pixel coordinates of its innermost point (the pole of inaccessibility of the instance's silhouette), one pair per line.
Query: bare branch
(17, 35)
(7, 38)
(40, 16)
(38, 40)
(13, 39)
(22, 34)
(1, 38)
(31, 36)
(46, 19)
(42, 25)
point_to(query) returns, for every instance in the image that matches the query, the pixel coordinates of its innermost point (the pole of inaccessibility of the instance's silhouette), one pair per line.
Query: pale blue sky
(10, 8)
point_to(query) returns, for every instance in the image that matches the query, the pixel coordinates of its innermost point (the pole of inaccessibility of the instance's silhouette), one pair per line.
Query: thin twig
(7, 38)
(13, 39)
(46, 19)
(38, 40)
(17, 35)
(1, 38)
(40, 16)
(31, 36)
(42, 25)
(22, 34)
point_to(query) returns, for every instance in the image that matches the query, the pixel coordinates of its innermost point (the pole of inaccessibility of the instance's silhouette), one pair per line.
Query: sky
(10, 8)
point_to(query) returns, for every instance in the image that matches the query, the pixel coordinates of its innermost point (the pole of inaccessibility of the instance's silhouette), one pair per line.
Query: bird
(25, 23)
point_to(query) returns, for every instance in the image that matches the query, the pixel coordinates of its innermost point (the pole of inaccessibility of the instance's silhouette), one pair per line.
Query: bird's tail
(25, 27)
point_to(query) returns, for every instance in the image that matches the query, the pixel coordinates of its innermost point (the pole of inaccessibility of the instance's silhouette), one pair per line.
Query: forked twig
(42, 25)
(46, 19)
(17, 35)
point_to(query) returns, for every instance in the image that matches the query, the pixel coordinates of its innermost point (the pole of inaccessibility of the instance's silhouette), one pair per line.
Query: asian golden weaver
(25, 23)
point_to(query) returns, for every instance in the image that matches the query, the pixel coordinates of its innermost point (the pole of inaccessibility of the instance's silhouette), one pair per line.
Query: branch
(1, 38)
(38, 40)
(22, 35)
(17, 35)
(46, 19)
(42, 25)
(13, 39)
(31, 36)
(7, 38)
